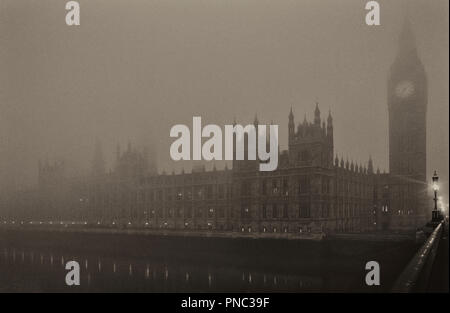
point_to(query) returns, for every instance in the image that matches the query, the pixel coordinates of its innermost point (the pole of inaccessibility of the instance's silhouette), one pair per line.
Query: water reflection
(155, 276)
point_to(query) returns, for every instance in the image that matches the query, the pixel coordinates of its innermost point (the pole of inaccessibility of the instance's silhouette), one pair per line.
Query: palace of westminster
(310, 191)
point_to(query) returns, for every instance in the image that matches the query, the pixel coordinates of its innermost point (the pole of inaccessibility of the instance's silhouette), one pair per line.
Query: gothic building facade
(311, 191)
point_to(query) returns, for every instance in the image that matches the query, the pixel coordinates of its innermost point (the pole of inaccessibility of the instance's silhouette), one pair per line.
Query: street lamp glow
(435, 179)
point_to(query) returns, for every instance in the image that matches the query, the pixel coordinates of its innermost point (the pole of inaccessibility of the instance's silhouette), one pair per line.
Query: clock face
(404, 89)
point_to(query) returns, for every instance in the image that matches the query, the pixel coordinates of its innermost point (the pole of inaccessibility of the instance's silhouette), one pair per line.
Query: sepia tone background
(135, 68)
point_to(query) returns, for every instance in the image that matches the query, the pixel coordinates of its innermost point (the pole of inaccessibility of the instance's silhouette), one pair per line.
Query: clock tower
(407, 103)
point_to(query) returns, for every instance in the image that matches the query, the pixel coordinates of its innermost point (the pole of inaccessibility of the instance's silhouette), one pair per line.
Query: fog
(133, 69)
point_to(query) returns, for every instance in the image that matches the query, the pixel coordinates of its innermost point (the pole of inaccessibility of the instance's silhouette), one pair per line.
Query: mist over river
(34, 261)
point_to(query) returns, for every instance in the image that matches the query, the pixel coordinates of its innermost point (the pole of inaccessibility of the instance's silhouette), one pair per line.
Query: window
(264, 188)
(179, 194)
(264, 211)
(303, 185)
(220, 192)
(245, 212)
(285, 211)
(199, 193)
(209, 192)
(274, 211)
(304, 211)
(274, 187)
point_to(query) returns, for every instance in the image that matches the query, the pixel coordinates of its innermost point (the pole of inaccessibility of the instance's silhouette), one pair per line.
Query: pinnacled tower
(407, 103)
(312, 143)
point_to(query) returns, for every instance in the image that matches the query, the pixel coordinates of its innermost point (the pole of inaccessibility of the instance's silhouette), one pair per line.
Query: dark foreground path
(439, 275)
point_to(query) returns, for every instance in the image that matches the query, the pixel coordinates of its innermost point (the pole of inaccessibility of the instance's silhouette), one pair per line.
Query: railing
(414, 277)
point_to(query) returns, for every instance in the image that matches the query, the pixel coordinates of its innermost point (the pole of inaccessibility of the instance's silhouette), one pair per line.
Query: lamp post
(435, 213)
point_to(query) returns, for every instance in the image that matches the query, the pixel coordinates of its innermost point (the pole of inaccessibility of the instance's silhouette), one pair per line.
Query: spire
(255, 122)
(370, 165)
(317, 114)
(291, 125)
(407, 41)
(330, 119)
(291, 118)
(336, 161)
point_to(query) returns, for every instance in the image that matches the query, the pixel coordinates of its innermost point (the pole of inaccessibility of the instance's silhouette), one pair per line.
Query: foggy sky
(135, 68)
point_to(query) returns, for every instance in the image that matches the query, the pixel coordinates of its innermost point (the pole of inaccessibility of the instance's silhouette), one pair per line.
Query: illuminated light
(85, 223)
(129, 223)
(146, 223)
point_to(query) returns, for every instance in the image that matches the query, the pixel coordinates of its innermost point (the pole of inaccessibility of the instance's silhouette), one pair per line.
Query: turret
(291, 125)
(370, 165)
(330, 125)
(317, 114)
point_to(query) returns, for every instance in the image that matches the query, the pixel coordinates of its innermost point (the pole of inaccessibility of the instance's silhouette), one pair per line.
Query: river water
(35, 262)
